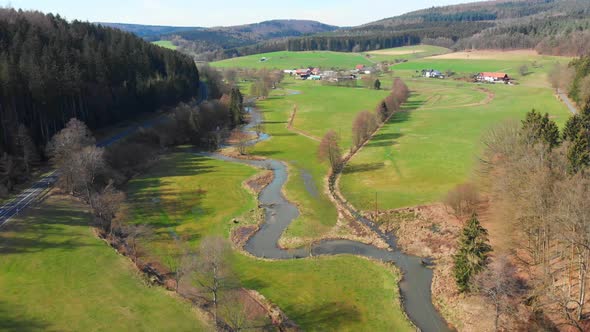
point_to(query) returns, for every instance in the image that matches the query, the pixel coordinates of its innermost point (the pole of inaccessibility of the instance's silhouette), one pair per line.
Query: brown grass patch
(488, 55)
(397, 52)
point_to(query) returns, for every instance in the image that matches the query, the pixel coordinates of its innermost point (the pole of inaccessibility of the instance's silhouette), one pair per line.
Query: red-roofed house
(359, 67)
(493, 77)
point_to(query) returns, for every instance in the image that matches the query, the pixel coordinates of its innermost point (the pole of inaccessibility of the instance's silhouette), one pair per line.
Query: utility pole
(376, 209)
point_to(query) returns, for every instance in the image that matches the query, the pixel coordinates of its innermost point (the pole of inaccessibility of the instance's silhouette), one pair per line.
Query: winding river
(415, 286)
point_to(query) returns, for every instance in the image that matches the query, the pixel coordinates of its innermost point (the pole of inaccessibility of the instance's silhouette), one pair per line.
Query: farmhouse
(303, 73)
(493, 77)
(432, 73)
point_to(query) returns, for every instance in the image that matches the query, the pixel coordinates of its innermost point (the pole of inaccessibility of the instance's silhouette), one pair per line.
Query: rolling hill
(558, 27)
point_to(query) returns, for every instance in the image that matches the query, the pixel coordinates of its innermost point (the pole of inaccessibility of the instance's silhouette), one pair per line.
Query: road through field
(415, 286)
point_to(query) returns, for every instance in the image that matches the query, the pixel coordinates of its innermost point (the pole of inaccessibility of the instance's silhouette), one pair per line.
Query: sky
(226, 12)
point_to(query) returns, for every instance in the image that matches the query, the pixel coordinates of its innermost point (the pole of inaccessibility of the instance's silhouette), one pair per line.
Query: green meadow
(327, 59)
(422, 153)
(192, 197)
(165, 44)
(292, 60)
(56, 275)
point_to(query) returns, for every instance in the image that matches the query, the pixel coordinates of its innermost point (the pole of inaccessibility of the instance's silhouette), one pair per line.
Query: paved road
(24, 199)
(567, 101)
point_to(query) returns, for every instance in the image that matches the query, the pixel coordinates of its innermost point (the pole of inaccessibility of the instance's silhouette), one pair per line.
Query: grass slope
(56, 275)
(327, 59)
(421, 154)
(192, 197)
(292, 60)
(165, 44)
(406, 53)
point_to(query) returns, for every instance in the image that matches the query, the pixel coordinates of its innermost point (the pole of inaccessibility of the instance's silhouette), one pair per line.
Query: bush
(463, 199)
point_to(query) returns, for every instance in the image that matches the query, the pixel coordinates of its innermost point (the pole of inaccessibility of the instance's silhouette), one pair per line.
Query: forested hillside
(551, 26)
(148, 32)
(213, 43)
(51, 71)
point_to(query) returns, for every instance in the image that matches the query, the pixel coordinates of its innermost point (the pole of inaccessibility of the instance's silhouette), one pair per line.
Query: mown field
(165, 44)
(421, 154)
(191, 197)
(326, 60)
(55, 275)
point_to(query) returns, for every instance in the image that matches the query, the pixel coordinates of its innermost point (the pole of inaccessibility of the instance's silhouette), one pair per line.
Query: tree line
(537, 183)
(364, 126)
(52, 70)
(94, 175)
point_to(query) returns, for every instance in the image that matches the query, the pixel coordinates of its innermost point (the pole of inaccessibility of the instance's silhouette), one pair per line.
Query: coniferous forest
(52, 70)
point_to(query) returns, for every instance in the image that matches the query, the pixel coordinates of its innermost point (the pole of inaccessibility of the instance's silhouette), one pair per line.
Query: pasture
(319, 109)
(191, 197)
(165, 44)
(327, 59)
(56, 275)
(420, 154)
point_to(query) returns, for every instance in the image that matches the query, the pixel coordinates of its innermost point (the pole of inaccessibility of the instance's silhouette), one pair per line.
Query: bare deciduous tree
(134, 233)
(330, 150)
(463, 199)
(105, 205)
(499, 284)
(213, 273)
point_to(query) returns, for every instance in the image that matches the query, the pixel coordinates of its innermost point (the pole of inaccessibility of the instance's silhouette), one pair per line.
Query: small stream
(279, 213)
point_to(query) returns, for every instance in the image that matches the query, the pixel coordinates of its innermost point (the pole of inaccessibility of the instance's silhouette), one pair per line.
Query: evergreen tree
(572, 128)
(472, 255)
(539, 128)
(578, 153)
(377, 84)
(236, 107)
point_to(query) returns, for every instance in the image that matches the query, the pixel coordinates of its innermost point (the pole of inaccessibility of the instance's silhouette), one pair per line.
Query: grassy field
(406, 53)
(319, 109)
(55, 275)
(165, 44)
(326, 59)
(292, 60)
(471, 63)
(421, 154)
(192, 197)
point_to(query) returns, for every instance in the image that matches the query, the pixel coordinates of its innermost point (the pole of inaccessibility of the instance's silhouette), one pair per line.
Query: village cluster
(483, 77)
(317, 74)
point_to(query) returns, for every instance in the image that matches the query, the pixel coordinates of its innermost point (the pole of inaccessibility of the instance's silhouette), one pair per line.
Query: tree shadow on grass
(359, 168)
(330, 316)
(12, 319)
(274, 122)
(45, 228)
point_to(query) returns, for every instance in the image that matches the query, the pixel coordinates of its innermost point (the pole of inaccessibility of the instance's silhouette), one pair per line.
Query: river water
(415, 286)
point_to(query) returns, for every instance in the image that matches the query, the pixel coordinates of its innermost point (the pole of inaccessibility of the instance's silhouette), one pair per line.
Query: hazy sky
(226, 12)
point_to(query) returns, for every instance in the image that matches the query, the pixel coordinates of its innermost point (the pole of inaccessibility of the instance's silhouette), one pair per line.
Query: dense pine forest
(52, 70)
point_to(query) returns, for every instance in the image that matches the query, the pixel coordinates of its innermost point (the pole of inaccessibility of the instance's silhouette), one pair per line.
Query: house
(493, 77)
(432, 73)
(316, 71)
(315, 77)
(289, 71)
(359, 67)
(303, 73)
